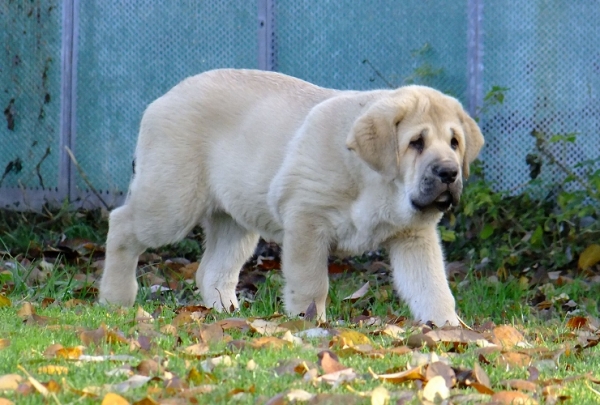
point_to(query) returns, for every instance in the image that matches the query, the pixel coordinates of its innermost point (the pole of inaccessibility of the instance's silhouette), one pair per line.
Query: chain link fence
(79, 74)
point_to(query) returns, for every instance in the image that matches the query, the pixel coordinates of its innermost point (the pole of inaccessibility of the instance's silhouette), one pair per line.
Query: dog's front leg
(420, 277)
(305, 251)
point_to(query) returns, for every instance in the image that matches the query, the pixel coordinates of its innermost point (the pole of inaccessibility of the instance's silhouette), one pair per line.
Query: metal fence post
(66, 182)
(475, 56)
(266, 35)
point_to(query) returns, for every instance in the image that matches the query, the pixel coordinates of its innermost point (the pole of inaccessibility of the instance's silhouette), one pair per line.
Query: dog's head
(421, 139)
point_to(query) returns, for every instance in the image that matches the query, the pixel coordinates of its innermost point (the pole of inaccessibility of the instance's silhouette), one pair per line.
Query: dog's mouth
(443, 202)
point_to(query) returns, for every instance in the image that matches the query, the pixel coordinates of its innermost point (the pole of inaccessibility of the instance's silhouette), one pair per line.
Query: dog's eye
(454, 143)
(418, 144)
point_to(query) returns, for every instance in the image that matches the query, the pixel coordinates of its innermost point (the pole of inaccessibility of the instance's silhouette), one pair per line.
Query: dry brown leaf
(4, 401)
(198, 349)
(455, 336)
(233, 323)
(114, 399)
(441, 369)
(101, 335)
(436, 389)
(329, 362)
(338, 377)
(26, 310)
(482, 382)
(10, 382)
(211, 333)
(577, 322)
(148, 367)
(358, 293)
(412, 374)
(4, 343)
(507, 336)
(393, 331)
(514, 359)
(521, 385)
(419, 340)
(269, 341)
(141, 316)
(589, 257)
(297, 395)
(266, 328)
(512, 398)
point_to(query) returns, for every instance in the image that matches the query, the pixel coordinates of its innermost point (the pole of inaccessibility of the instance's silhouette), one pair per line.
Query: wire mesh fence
(79, 74)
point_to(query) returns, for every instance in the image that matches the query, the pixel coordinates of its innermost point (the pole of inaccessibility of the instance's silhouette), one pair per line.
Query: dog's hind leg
(119, 284)
(227, 247)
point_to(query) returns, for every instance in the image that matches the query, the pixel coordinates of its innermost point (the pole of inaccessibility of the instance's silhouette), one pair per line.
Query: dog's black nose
(446, 173)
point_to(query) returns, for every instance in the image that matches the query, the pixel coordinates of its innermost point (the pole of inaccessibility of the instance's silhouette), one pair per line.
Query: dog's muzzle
(440, 187)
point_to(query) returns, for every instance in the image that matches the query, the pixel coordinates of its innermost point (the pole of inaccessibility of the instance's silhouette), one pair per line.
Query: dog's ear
(374, 137)
(474, 141)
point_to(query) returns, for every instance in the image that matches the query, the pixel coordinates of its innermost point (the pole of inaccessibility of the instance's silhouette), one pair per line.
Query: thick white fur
(247, 153)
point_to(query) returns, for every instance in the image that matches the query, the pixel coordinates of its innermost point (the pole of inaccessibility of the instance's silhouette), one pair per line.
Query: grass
(540, 312)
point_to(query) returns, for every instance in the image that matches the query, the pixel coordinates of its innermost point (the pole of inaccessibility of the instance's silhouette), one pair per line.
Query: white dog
(247, 153)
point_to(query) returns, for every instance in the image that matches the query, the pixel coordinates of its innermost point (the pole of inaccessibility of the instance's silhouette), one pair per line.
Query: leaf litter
(440, 363)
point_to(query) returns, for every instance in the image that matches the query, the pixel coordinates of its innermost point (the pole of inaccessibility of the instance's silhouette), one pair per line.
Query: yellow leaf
(51, 369)
(10, 382)
(589, 257)
(4, 301)
(349, 338)
(436, 389)
(114, 399)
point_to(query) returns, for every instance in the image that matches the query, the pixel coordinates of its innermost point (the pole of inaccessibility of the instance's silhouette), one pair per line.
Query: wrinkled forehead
(433, 109)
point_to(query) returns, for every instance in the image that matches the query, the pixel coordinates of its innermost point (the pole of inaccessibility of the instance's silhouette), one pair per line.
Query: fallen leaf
(393, 331)
(4, 343)
(577, 322)
(436, 389)
(114, 399)
(266, 328)
(338, 377)
(10, 382)
(36, 384)
(380, 396)
(329, 362)
(134, 381)
(589, 257)
(514, 359)
(269, 341)
(299, 395)
(512, 398)
(518, 384)
(198, 349)
(4, 301)
(412, 374)
(507, 336)
(442, 370)
(69, 352)
(358, 293)
(4, 401)
(348, 337)
(26, 310)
